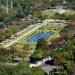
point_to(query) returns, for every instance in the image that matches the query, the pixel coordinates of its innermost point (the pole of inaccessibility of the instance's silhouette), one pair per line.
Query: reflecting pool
(39, 35)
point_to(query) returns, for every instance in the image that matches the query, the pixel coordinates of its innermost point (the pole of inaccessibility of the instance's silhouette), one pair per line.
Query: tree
(41, 49)
(68, 33)
(3, 71)
(69, 46)
(41, 44)
(26, 47)
(4, 55)
(37, 71)
(22, 69)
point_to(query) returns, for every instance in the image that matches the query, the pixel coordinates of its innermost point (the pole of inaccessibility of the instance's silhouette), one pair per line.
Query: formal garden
(47, 32)
(25, 48)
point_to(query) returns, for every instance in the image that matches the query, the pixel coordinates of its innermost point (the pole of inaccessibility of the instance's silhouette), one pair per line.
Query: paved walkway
(8, 64)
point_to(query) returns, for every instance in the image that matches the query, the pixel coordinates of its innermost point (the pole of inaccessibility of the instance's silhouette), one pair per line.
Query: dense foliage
(21, 69)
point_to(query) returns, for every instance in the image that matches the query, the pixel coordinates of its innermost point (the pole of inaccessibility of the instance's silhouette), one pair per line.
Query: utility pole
(7, 7)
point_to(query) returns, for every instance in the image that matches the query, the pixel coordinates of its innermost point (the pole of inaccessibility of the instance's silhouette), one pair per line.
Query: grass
(48, 14)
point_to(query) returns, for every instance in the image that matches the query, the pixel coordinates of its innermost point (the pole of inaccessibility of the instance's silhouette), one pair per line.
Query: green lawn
(47, 14)
(50, 14)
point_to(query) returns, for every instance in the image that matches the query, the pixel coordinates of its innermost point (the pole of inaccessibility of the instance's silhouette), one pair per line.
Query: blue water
(39, 35)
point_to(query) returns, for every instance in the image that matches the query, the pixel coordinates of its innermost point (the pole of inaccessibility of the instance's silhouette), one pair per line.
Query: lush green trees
(7, 33)
(37, 71)
(3, 71)
(41, 44)
(69, 45)
(41, 49)
(21, 69)
(4, 55)
(26, 47)
(66, 56)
